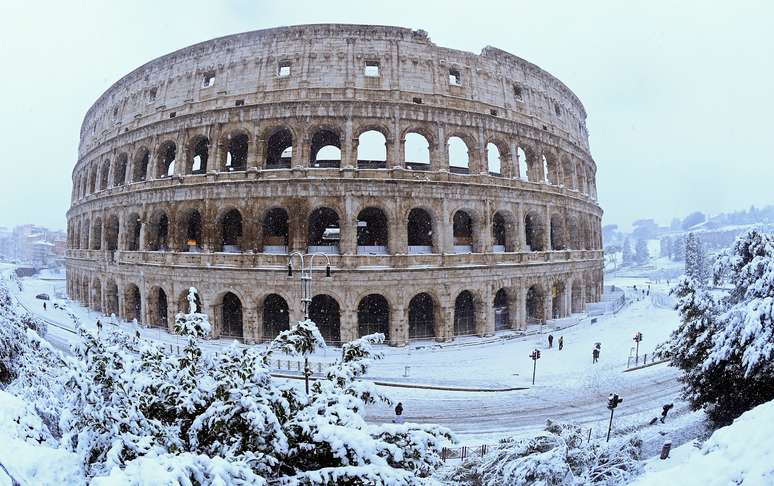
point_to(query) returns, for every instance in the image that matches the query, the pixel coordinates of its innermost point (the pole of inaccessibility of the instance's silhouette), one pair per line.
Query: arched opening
(231, 232)
(371, 150)
(459, 163)
(105, 175)
(111, 298)
(417, 151)
(275, 231)
(373, 315)
(421, 317)
(157, 300)
(557, 232)
(184, 306)
(158, 232)
(85, 234)
(323, 231)
(231, 316)
(166, 159)
(420, 232)
(523, 166)
(199, 156)
(573, 231)
(577, 297)
(326, 149)
(96, 234)
(279, 149)
(464, 314)
(191, 222)
(119, 171)
(550, 170)
(581, 173)
(499, 234)
(236, 156)
(140, 171)
(95, 302)
(372, 232)
(133, 226)
(111, 233)
(324, 311)
(533, 232)
(276, 316)
(494, 162)
(501, 316)
(558, 301)
(534, 305)
(93, 180)
(462, 228)
(132, 303)
(569, 181)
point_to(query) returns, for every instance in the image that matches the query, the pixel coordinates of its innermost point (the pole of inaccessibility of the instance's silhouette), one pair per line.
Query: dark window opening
(141, 166)
(534, 304)
(231, 313)
(463, 232)
(324, 311)
(420, 231)
(372, 231)
(239, 103)
(533, 232)
(193, 232)
(276, 316)
(283, 69)
(502, 321)
(372, 68)
(464, 314)
(518, 92)
(493, 112)
(201, 153)
(454, 77)
(421, 317)
(231, 232)
(167, 159)
(557, 110)
(373, 315)
(417, 100)
(324, 231)
(279, 149)
(326, 149)
(208, 79)
(275, 231)
(499, 232)
(119, 172)
(152, 94)
(133, 244)
(236, 157)
(172, 114)
(158, 233)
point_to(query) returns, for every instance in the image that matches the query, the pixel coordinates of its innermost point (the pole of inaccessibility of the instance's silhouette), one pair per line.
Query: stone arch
(166, 157)
(496, 159)
(231, 315)
(534, 304)
(416, 150)
(573, 234)
(183, 306)
(230, 231)
(199, 150)
(534, 231)
(96, 234)
(85, 233)
(372, 149)
(557, 232)
(577, 305)
(373, 315)
(459, 154)
(558, 300)
(132, 303)
(325, 151)
(463, 231)
(104, 175)
(157, 231)
(95, 295)
(279, 147)
(464, 314)
(323, 231)
(551, 168)
(276, 231)
(423, 317)
(421, 231)
(237, 145)
(111, 298)
(111, 232)
(503, 231)
(372, 231)
(580, 171)
(158, 307)
(275, 315)
(324, 310)
(140, 165)
(191, 230)
(501, 311)
(523, 166)
(93, 179)
(568, 173)
(119, 170)
(133, 226)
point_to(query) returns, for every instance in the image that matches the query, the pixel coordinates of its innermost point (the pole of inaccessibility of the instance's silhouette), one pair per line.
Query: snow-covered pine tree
(678, 249)
(641, 252)
(628, 256)
(691, 256)
(725, 346)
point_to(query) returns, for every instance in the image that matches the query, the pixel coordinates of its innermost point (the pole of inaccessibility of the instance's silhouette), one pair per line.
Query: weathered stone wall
(544, 190)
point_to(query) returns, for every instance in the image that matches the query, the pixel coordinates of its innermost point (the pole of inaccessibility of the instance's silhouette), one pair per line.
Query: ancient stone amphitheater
(452, 193)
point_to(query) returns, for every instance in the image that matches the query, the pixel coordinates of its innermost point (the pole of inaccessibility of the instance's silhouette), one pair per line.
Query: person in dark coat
(550, 341)
(561, 342)
(665, 410)
(398, 413)
(595, 355)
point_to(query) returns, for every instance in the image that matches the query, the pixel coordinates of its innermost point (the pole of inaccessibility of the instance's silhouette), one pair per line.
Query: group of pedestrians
(594, 352)
(551, 342)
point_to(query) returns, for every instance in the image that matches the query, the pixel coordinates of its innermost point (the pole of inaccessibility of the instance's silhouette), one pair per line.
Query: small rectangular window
(173, 114)
(372, 69)
(115, 112)
(454, 77)
(493, 112)
(239, 103)
(208, 79)
(557, 109)
(283, 69)
(518, 92)
(417, 101)
(152, 94)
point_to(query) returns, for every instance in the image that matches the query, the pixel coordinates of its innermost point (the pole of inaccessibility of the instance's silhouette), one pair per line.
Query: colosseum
(450, 193)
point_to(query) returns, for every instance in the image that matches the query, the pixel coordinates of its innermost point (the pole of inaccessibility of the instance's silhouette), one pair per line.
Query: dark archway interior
(463, 229)
(201, 153)
(323, 228)
(141, 167)
(324, 138)
(534, 305)
(498, 231)
(193, 231)
(236, 157)
(275, 231)
(279, 149)
(421, 317)
(231, 230)
(464, 314)
(232, 316)
(372, 229)
(159, 233)
(420, 228)
(502, 320)
(168, 154)
(276, 316)
(373, 315)
(133, 243)
(533, 233)
(324, 311)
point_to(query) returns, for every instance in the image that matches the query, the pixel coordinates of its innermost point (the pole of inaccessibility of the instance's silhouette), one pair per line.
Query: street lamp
(535, 355)
(306, 291)
(612, 402)
(637, 338)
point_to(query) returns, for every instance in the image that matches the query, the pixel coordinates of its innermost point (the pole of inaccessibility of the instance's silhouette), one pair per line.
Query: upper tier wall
(332, 57)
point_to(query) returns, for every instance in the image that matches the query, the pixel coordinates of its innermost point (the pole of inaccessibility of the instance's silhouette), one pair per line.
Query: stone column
(399, 329)
(250, 324)
(547, 230)
(521, 228)
(256, 153)
(439, 151)
(485, 325)
(548, 302)
(348, 330)
(301, 152)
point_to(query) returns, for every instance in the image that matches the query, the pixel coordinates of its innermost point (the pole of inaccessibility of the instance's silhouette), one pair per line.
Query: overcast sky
(678, 93)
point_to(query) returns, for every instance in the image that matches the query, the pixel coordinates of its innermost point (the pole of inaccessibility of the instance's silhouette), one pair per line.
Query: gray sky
(678, 93)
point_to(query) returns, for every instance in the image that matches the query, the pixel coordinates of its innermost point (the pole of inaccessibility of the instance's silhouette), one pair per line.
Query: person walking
(398, 414)
(550, 341)
(595, 355)
(665, 410)
(44, 306)
(561, 342)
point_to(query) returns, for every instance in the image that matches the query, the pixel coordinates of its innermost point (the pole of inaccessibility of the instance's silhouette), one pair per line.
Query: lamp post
(612, 402)
(535, 355)
(637, 338)
(306, 292)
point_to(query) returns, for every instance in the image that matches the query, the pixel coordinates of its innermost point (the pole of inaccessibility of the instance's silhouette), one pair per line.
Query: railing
(276, 261)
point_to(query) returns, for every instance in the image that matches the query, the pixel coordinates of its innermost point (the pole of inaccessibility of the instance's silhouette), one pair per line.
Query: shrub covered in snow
(559, 456)
(725, 345)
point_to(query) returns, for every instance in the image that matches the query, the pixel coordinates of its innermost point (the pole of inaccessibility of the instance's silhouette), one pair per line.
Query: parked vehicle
(43, 297)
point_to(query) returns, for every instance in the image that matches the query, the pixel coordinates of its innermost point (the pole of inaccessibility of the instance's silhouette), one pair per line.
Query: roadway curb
(654, 363)
(414, 385)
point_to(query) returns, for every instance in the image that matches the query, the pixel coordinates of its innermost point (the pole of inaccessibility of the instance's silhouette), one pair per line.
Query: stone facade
(203, 168)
